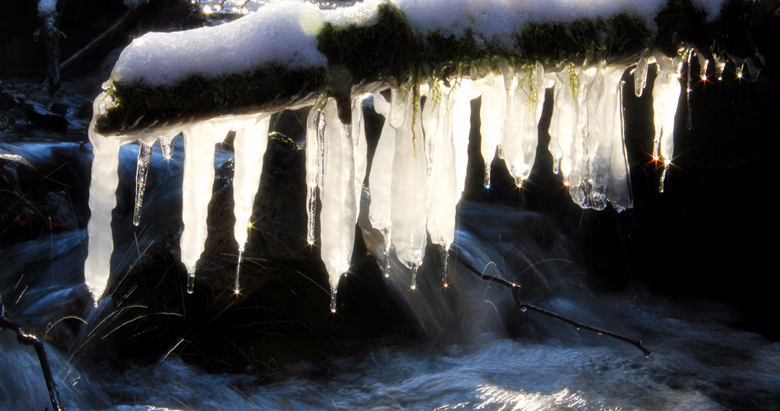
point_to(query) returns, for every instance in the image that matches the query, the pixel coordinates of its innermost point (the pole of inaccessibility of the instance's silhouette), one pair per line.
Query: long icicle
(338, 215)
(379, 180)
(141, 173)
(315, 127)
(197, 183)
(102, 200)
(249, 149)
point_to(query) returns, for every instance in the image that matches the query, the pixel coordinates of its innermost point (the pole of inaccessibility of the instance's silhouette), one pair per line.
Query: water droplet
(333, 300)
(190, 284)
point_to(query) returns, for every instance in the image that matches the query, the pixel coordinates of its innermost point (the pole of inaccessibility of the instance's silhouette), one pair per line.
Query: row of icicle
(419, 168)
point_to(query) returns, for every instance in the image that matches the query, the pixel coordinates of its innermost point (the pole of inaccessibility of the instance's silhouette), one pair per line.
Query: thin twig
(29, 339)
(516, 288)
(579, 325)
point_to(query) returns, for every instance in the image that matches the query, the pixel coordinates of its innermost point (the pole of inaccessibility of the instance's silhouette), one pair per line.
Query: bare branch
(29, 339)
(525, 306)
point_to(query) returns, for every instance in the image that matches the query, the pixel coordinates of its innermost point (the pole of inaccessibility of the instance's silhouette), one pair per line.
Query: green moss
(371, 52)
(138, 106)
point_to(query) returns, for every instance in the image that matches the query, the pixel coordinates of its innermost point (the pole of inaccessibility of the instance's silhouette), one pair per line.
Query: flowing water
(478, 352)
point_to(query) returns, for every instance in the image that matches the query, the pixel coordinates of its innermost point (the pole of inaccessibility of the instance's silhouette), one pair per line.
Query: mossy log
(368, 57)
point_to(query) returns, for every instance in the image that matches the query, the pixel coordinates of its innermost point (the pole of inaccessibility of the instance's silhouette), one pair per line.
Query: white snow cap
(496, 20)
(284, 32)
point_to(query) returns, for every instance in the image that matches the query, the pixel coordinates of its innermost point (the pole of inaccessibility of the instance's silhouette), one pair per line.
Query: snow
(271, 35)
(284, 32)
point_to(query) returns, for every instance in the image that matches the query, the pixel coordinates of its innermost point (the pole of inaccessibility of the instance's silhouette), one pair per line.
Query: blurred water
(479, 351)
(697, 364)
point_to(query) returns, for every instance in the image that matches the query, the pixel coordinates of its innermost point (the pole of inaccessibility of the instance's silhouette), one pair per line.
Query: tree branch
(29, 339)
(516, 288)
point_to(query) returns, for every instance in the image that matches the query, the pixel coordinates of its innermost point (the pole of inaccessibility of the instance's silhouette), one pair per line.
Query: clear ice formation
(141, 172)
(666, 93)
(379, 179)
(418, 170)
(249, 147)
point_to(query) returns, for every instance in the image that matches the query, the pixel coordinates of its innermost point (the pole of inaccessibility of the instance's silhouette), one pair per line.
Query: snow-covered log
(289, 52)
(435, 57)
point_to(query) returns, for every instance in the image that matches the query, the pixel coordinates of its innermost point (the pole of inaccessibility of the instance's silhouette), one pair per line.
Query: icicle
(640, 74)
(666, 93)
(249, 149)
(361, 148)
(492, 115)
(510, 85)
(166, 146)
(618, 189)
(315, 123)
(703, 65)
(199, 147)
(595, 101)
(689, 118)
(602, 137)
(413, 282)
(720, 66)
(534, 94)
(430, 120)
(408, 194)
(141, 172)
(445, 266)
(380, 178)
(333, 300)
(339, 212)
(563, 124)
(521, 128)
(753, 69)
(397, 113)
(442, 184)
(739, 66)
(102, 200)
(578, 180)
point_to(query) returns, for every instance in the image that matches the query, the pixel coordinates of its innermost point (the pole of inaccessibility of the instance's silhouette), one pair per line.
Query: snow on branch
(289, 52)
